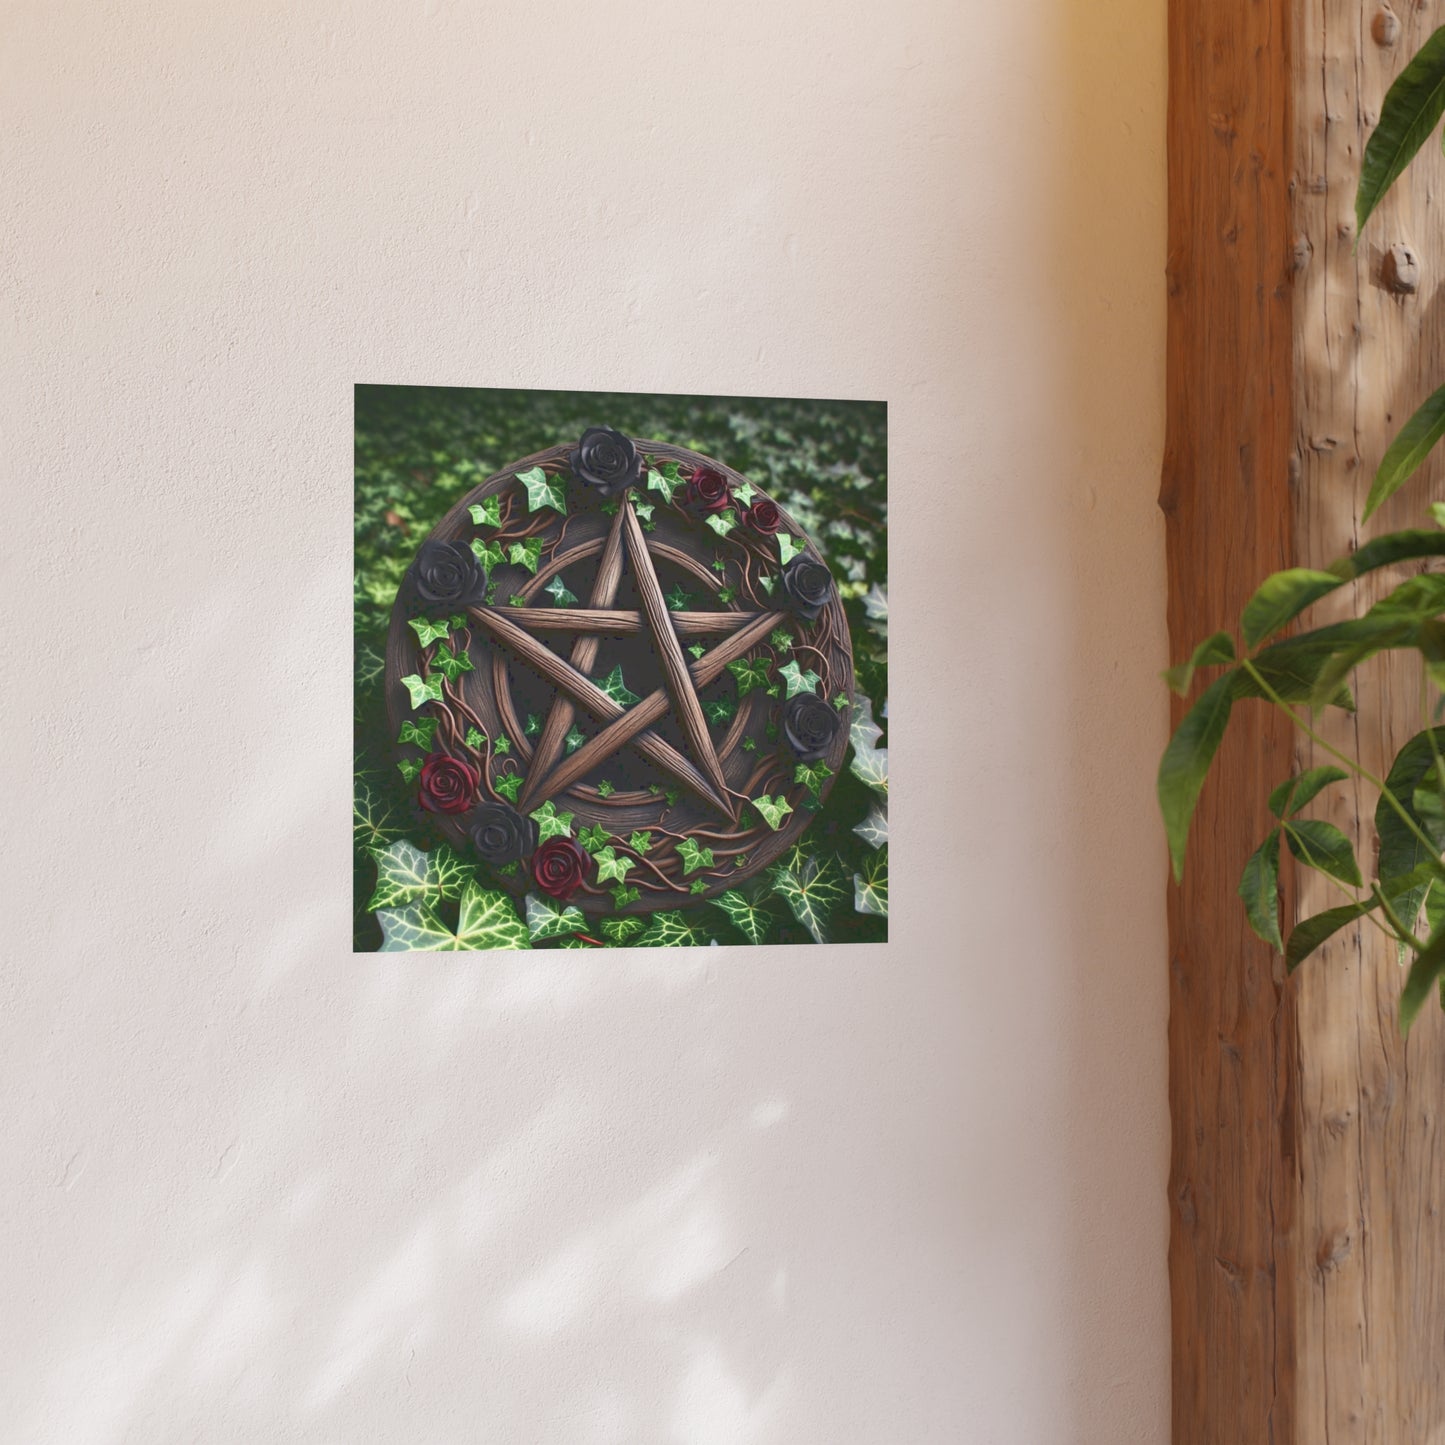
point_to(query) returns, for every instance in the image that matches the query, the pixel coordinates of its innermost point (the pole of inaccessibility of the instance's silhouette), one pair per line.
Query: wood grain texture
(608, 623)
(1307, 1258)
(669, 653)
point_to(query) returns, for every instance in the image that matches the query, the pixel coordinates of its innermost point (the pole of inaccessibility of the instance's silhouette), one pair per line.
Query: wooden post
(1307, 1250)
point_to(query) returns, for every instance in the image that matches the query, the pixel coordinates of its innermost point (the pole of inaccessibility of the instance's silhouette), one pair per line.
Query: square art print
(621, 670)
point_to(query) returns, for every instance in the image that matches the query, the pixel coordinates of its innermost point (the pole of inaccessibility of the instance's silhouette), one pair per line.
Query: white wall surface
(255, 1189)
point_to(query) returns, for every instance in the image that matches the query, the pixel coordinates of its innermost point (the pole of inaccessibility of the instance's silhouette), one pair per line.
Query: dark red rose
(447, 785)
(764, 516)
(708, 490)
(559, 867)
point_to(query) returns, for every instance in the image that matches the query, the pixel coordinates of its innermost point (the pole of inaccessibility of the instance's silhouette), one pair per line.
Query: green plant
(1304, 673)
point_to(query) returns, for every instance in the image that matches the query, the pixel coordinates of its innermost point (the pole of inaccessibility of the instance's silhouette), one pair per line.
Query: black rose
(501, 835)
(606, 460)
(808, 584)
(447, 574)
(810, 725)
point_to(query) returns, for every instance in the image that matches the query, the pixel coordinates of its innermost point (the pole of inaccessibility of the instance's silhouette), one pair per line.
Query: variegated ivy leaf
(516, 600)
(697, 649)
(404, 874)
(615, 688)
(526, 553)
(870, 887)
(644, 510)
(678, 598)
(409, 768)
(789, 547)
(574, 739)
(489, 554)
(508, 785)
(419, 732)
(797, 680)
(533, 725)
(811, 890)
(745, 492)
(429, 632)
(488, 920)
(750, 672)
(699, 885)
(592, 838)
(773, 810)
(543, 491)
(668, 930)
(449, 871)
(863, 730)
(812, 776)
(451, 664)
(552, 824)
(487, 513)
(720, 711)
(423, 690)
(370, 664)
(557, 590)
(719, 563)
(546, 919)
(605, 789)
(619, 930)
(870, 763)
(781, 638)
(873, 830)
(623, 894)
(722, 522)
(726, 594)
(875, 604)
(665, 479)
(693, 856)
(769, 582)
(750, 919)
(476, 740)
(841, 701)
(372, 822)
(609, 865)
(640, 842)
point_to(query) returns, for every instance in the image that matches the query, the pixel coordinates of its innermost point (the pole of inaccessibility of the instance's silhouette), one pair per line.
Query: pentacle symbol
(620, 675)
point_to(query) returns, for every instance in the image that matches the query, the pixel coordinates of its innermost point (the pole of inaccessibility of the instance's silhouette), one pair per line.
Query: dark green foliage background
(418, 449)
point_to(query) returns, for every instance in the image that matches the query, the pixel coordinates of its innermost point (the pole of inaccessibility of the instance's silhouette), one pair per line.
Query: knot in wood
(1385, 27)
(1400, 271)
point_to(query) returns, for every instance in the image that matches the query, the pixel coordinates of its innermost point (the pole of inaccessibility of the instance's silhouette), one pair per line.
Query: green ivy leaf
(488, 920)
(643, 510)
(372, 822)
(543, 491)
(789, 547)
(489, 554)
(605, 789)
(726, 594)
(409, 768)
(574, 739)
(870, 887)
(508, 786)
(870, 762)
(448, 871)
(773, 810)
(546, 919)
(487, 513)
(812, 776)
(533, 725)
(1413, 106)
(476, 740)
(810, 889)
(781, 638)
(722, 522)
(557, 590)
(720, 711)
(699, 885)
(750, 672)
(667, 930)
(697, 649)
(750, 744)
(401, 875)
(451, 664)
(423, 690)
(526, 553)
(419, 732)
(552, 824)
(751, 919)
(769, 583)
(501, 745)
(622, 895)
(640, 842)
(693, 856)
(592, 838)
(617, 689)
(678, 598)
(429, 632)
(841, 701)
(609, 865)
(666, 480)
(672, 795)
(619, 930)
(745, 492)
(1259, 888)
(516, 600)
(719, 563)
(873, 830)
(797, 680)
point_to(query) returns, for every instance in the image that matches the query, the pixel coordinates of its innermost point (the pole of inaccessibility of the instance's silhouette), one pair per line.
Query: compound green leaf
(1415, 442)
(1278, 600)
(1259, 888)
(1298, 792)
(1186, 761)
(1219, 648)
(1310, 933)
(1412, 108)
